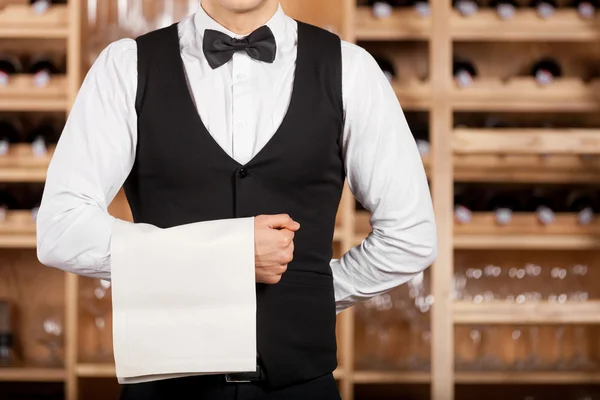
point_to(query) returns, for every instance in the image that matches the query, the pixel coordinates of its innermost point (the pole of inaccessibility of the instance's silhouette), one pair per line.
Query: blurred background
(502, 98)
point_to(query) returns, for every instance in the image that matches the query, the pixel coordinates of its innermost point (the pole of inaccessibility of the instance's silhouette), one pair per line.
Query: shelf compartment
(32, 374)
(404, 23)
(525, 94)
(524, 377)
(526, 141)
(413, 94)
(534, 313)
(18, 230)
(21, 165)
(20, 21)
(22, 95)
(366, 377)
(526, 168)
(564, 25)
(525, 232)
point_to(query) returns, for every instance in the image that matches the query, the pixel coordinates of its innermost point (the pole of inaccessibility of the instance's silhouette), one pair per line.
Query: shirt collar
(203, 21)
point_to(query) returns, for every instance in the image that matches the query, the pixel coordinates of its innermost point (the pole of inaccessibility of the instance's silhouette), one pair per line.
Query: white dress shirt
(241, 103)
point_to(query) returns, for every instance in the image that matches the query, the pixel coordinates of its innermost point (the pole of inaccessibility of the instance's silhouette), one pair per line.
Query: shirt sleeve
(386, 175)
(92, 160)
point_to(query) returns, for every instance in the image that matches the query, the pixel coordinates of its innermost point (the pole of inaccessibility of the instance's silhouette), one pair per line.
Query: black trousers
(216, 388)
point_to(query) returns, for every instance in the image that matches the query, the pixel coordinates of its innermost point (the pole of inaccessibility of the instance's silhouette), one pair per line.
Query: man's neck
(241, 22)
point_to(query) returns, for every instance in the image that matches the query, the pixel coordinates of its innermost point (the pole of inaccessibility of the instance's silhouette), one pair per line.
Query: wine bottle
(495, 123)
(41, 136)
(41, 6)
(388, 68)
(382, 8)
(421, 135)
(42, 67)
(421, 7)
(543, 205)
(546, 70)
(462, 211)
(9, 133)
(466, 8)
(7, 357)
(545, 8)
(584, 203)
(503, 204)
(464, 72)
(586, 8)
(9, 65)
(505, 9)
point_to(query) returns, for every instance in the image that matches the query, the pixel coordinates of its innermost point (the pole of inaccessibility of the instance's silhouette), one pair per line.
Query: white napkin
(184, 299)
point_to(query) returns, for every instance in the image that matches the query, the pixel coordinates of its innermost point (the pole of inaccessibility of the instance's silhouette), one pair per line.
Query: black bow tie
(219, 48)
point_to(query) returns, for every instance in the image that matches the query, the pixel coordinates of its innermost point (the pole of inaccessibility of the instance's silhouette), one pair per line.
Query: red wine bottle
(41, 136)
(9, 65)
(505, 9)
(42, 68)
(464, 72)
(10, 130)
(543, 205)
(466, 8)
(503, 204)
(421, 134)
(421, 7)
(546, 70)
(584, 203)
(383, 8)
(463, 213)
(388, 68)
(586, 8)
(545, 8)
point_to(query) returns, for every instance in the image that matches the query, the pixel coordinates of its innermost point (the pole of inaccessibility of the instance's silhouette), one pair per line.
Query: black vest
(181, 176)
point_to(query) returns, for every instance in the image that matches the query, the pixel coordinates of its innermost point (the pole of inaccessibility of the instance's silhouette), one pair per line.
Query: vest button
(242, 173)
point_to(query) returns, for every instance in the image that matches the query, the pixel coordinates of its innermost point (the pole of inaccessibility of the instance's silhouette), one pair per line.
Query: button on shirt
(241, 103)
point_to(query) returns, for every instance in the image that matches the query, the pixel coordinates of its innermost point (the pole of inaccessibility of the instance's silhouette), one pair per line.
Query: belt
(246, 377)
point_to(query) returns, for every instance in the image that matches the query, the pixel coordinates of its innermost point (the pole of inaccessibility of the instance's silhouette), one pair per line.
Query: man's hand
(273, 246)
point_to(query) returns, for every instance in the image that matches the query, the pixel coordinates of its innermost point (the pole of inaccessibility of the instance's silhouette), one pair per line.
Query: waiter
(241, 125)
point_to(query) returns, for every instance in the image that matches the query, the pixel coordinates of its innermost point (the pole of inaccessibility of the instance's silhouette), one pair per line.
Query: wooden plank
(525, 242)
(526, 141)
(404, 23)
(527, 377)
(91, 370)
(413, 94)
(533, 313)
(22, 95)
(407, 377)
(32, 374)
(565, 25)
(524, 94)
(20, 21)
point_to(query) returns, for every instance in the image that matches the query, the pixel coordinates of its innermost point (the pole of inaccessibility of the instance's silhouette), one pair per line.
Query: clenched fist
(273, 246)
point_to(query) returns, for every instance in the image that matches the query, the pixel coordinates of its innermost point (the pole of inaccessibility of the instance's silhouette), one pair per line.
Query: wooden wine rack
(465, 154)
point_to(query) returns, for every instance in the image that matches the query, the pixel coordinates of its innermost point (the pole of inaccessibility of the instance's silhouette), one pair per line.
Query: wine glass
(97, 302)
(372, 312)
(49, 332)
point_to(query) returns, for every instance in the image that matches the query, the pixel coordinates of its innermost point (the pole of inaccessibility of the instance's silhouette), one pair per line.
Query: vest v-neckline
(189, 101)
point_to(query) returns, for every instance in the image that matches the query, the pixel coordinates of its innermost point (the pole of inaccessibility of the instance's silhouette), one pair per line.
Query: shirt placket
(243, 118)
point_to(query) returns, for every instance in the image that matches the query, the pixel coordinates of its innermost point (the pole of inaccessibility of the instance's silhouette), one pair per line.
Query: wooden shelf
(21, 165)
(20, 21)
(413, 94)
(523, 94)
(32, 374)
(535, 313)
(564, 25)
(526, 141)
(22, 95)
(18, 230)
(391, 377)
(524, 377)
(404, 23)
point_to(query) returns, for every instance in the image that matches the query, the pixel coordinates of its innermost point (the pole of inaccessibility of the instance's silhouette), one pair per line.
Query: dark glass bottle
(545, 8)
(505, 9)
(41, 136)
(421, 7)
(383, 8)
(420, 132)
(543, 204)
(546, 70)
(463, 212)
(388, 68)
(42, 67)
(464, 72)
(9, 65)
(10, 130)
(586, 8)
(504, 204)
(466, 8)
(7, 353)
(584, 203)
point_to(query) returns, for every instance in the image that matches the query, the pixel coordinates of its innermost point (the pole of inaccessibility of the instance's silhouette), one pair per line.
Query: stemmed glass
(49, 332)
(97, 302)
(372, 312)
(417, 314)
